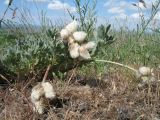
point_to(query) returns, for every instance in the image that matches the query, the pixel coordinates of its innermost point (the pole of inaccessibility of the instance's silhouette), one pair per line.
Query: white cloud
(124, 12)
(128, 5)
(117, 3)
(135, 15)
(123, 3)
(116, 10)
(6, 2)
(116, 6)
(122, 16)
(58, 5)
(109, 3)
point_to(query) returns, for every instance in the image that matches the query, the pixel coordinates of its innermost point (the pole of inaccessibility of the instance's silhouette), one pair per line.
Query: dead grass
(114, 97)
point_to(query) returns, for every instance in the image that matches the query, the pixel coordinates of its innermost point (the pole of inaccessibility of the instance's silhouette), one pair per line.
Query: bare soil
(112, 97)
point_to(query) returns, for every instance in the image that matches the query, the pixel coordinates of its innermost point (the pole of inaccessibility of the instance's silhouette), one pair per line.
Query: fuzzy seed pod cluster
(77, 46)
(40, 95)
(145, 73)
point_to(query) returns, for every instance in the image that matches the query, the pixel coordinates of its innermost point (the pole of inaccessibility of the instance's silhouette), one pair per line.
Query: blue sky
(112, 11)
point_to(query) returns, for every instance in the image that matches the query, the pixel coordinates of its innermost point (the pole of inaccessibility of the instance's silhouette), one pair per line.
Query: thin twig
(4, 78)
(5, 12)
(28, 83)
(154, 13)
(70, 78)
(46, 73)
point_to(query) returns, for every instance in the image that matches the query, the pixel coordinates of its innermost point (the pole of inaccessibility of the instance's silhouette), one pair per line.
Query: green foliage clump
(34, 52)
(35, 47)
(103, 33)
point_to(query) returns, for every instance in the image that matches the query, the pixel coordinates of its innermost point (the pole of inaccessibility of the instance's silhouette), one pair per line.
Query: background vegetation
(26, 50)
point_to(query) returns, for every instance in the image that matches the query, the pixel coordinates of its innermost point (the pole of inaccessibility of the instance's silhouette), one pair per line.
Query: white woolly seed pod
(39, 106)
(37, 92)
(145, 71)
(36, 98)
(48, 90)
(84, 53)
(40, 93)
(90, 45)
(64, 34)
(71, 40)
(79, 36)
(73, 50)
(72, 27)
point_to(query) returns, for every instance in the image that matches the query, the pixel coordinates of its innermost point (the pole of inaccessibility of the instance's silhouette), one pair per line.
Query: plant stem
(154, 13)
(116, 63)
(5, 12)
(46, 73)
